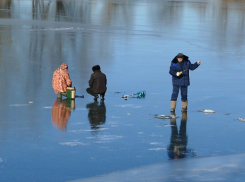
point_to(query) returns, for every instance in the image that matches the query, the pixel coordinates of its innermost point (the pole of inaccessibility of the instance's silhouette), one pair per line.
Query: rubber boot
(96, 97)
(184, 106)
(173, 106)
(102, 97)
(59, 96)
(173, 115)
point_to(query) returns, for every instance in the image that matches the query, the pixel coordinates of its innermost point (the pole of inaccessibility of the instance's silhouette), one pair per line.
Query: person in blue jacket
(179, 69)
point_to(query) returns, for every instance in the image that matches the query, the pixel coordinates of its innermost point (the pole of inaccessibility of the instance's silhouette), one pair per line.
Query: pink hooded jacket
(61, 79)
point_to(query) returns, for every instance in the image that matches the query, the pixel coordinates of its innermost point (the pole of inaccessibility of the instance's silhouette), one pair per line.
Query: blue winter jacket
(183, 79)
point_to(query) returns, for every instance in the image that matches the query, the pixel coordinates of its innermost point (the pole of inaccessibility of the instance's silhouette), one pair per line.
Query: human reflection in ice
(96, 114)
(61, 112)
(178, 141)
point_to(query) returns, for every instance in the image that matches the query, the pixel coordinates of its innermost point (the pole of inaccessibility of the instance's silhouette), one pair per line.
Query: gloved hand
(178, 73)
(199, 62)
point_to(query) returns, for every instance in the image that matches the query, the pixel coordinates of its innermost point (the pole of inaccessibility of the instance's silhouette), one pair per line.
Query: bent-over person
(97, 83)
(61, 80)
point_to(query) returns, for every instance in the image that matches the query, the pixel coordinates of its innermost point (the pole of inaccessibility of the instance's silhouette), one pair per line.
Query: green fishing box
(71, 92)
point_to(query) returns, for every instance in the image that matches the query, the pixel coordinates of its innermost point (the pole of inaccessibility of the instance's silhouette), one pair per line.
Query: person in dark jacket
(179, 69)
(97, 83)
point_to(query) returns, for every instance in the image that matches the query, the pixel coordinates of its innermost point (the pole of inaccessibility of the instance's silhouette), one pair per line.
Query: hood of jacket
(63, 66)
(175, 60)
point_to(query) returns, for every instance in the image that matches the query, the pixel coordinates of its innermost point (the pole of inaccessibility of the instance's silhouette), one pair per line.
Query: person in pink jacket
(61, 80)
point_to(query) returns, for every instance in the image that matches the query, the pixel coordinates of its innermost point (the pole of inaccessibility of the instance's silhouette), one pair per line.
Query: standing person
(61, 80)
(97, 83)
(179, 69)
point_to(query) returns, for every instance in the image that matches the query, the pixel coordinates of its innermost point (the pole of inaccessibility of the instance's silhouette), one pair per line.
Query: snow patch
(47, 107)
(72, 144)
(154, 143)
(18, 105)
(157, 149)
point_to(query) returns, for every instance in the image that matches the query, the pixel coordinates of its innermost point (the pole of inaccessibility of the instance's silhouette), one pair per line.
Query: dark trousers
(175, 93)
(90, 91)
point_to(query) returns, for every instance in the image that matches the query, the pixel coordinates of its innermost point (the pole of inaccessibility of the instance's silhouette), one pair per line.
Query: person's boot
(184, 106)
(173, 115)
(59, 96)
(102, 97)
(173, 106)
(96, 97)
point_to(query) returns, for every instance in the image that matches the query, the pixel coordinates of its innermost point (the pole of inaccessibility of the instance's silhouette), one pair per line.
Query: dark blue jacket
(183, 79)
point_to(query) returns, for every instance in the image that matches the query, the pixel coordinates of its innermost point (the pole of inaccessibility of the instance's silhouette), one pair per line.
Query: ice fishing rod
(182, 71)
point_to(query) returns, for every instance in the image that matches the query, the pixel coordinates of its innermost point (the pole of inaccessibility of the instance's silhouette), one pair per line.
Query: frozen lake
(134, 42)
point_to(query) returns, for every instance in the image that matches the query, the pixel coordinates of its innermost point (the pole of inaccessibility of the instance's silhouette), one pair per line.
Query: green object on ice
(141, 93)
(71, 93)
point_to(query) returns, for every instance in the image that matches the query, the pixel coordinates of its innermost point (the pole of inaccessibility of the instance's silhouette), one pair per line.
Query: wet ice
(134, 42)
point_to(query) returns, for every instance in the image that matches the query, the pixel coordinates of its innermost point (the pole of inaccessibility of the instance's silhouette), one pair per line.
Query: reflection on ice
(97, 115)
(61, 112)
(178, 142)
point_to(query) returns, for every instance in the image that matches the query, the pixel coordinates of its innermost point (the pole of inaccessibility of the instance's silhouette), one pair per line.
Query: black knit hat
(96, 67)
(180, 55)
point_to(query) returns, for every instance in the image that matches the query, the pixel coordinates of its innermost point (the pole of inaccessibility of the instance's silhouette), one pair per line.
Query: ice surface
(215, 168)
(134, 42)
